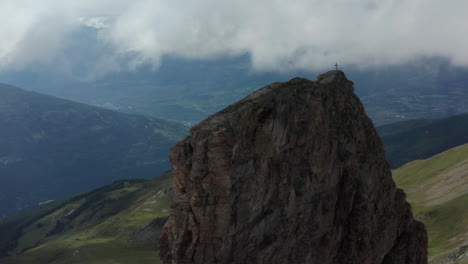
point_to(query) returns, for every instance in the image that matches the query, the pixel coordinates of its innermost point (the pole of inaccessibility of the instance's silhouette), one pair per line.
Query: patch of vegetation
(118, 223)
(445, 224)
(446, 219)
(418, 172)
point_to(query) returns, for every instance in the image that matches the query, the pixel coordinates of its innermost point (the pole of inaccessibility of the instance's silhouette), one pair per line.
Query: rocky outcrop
(294, 173)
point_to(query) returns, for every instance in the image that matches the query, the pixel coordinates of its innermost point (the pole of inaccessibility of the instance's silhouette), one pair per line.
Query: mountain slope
(118, 223)
(51, 147)
(437, 189)
(422, 138)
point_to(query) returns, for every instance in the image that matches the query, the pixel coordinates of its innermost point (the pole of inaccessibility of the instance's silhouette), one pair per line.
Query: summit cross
(336, 66)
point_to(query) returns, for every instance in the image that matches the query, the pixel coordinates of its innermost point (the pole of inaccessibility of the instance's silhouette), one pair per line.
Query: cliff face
(294, 173)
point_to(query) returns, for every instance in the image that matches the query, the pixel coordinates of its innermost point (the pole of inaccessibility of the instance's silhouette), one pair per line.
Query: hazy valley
(187, 91)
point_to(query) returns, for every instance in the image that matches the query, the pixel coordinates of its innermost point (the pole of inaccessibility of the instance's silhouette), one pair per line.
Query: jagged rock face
(294, 173)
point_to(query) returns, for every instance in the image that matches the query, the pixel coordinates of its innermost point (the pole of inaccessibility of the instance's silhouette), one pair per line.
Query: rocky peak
(293, 173)
(335, 76)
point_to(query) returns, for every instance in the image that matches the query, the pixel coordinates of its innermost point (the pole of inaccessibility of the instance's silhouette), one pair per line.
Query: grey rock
(294, 173)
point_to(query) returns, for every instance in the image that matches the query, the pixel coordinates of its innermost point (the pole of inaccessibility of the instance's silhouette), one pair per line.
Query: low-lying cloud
(278, 35)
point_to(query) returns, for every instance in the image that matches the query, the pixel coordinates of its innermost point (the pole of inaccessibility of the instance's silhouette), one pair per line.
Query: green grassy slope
(422, 138)
(118, 223)
(50, 147)
(437, 189)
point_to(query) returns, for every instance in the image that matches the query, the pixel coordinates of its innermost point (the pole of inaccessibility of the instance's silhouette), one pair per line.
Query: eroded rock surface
(294, 173)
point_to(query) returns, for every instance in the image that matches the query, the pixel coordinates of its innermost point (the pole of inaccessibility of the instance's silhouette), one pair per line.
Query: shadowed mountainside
(51, 148)
(422, 138)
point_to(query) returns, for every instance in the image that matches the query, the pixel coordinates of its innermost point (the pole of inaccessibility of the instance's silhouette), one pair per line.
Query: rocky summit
(293, 173)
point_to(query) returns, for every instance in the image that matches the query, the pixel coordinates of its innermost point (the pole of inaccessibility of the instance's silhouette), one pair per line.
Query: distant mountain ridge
(422, 138)
(51, 147)
(188, 91)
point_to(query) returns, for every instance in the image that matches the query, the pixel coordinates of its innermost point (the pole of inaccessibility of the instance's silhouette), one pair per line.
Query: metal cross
(336, 66)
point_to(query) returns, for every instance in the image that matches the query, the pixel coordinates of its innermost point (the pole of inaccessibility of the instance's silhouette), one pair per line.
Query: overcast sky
(278, 35)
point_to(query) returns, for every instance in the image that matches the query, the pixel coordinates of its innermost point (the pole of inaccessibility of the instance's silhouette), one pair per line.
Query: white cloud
(278, 35)
(95, 22)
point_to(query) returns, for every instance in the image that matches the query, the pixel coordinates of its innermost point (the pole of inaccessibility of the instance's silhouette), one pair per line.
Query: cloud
(278, 35)
(36, 33)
